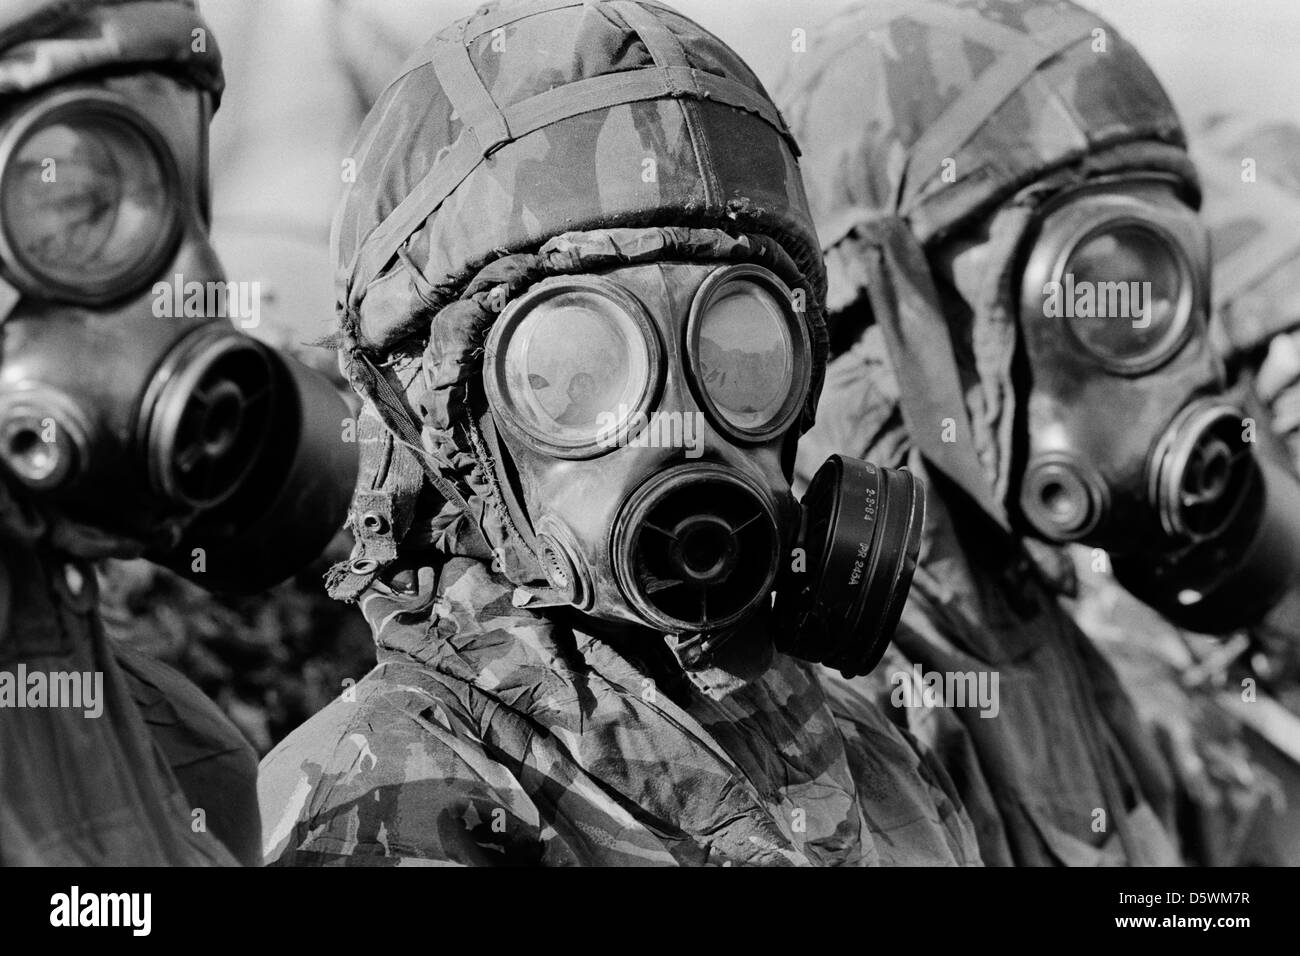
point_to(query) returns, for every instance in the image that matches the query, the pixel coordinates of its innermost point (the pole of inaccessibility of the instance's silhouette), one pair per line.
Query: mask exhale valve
(1201, 470)
(696, 548)
(206, 417)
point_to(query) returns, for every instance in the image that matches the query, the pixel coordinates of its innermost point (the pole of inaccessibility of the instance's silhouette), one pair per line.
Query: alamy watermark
(655, 430)
(209, 300)
(974, 689)
(1098, 300)
(75, 908)
(77, 690)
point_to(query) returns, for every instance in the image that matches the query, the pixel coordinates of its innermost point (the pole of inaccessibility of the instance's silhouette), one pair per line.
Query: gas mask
(127, 406)
(1134, 443)
(648, 415)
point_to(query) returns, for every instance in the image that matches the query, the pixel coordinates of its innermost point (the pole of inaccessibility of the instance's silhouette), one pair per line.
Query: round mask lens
(1139, 292)
(746, 357)
(575, 368)
(85, 204)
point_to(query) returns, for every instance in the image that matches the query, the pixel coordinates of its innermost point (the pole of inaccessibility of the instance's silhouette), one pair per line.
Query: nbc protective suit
(587, 325)
(1005, 165)
(128, 428)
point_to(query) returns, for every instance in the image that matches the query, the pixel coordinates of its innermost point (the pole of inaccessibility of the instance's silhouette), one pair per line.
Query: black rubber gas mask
(1134, 442)
(1129, 434)
(129, 404)
(649, 418)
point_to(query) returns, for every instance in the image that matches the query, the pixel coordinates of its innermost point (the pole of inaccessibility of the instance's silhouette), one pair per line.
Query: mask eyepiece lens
(1121, 277)
(1138, 283)
(88, 200)
(749, 351)
(746, 356)
(569, 401)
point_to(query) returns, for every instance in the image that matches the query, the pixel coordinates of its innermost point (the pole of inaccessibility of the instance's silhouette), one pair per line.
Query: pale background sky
(1209, 52)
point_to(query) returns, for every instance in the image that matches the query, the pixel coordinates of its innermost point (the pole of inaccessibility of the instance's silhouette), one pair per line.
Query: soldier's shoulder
(914, 807)
(392, 771)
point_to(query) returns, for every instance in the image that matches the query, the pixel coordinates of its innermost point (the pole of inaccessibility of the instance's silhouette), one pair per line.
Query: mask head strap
(43, 42)
(1020, 56)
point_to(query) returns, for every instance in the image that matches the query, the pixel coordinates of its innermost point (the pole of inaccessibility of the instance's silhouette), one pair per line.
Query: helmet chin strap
(525, 567)
(518, 556)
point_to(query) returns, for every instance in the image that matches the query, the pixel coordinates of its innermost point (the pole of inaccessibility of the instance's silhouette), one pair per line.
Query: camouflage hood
(957, 107)
(46, 41)
(532, 140)
(938, 110)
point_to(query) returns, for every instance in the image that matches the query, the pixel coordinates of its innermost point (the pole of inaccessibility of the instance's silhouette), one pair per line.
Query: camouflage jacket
(488, 734)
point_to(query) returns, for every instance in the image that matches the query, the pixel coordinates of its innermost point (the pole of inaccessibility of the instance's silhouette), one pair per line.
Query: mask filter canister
(861, 536)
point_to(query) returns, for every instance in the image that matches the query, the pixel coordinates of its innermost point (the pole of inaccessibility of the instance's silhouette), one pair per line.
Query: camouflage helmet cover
(529, 120)
(46, 41)
(960, 103)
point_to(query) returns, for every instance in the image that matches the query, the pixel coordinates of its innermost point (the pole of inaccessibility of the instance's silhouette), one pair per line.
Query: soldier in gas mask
(581, 296)
(991, 181)
(1218, 705)
(132, 422)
